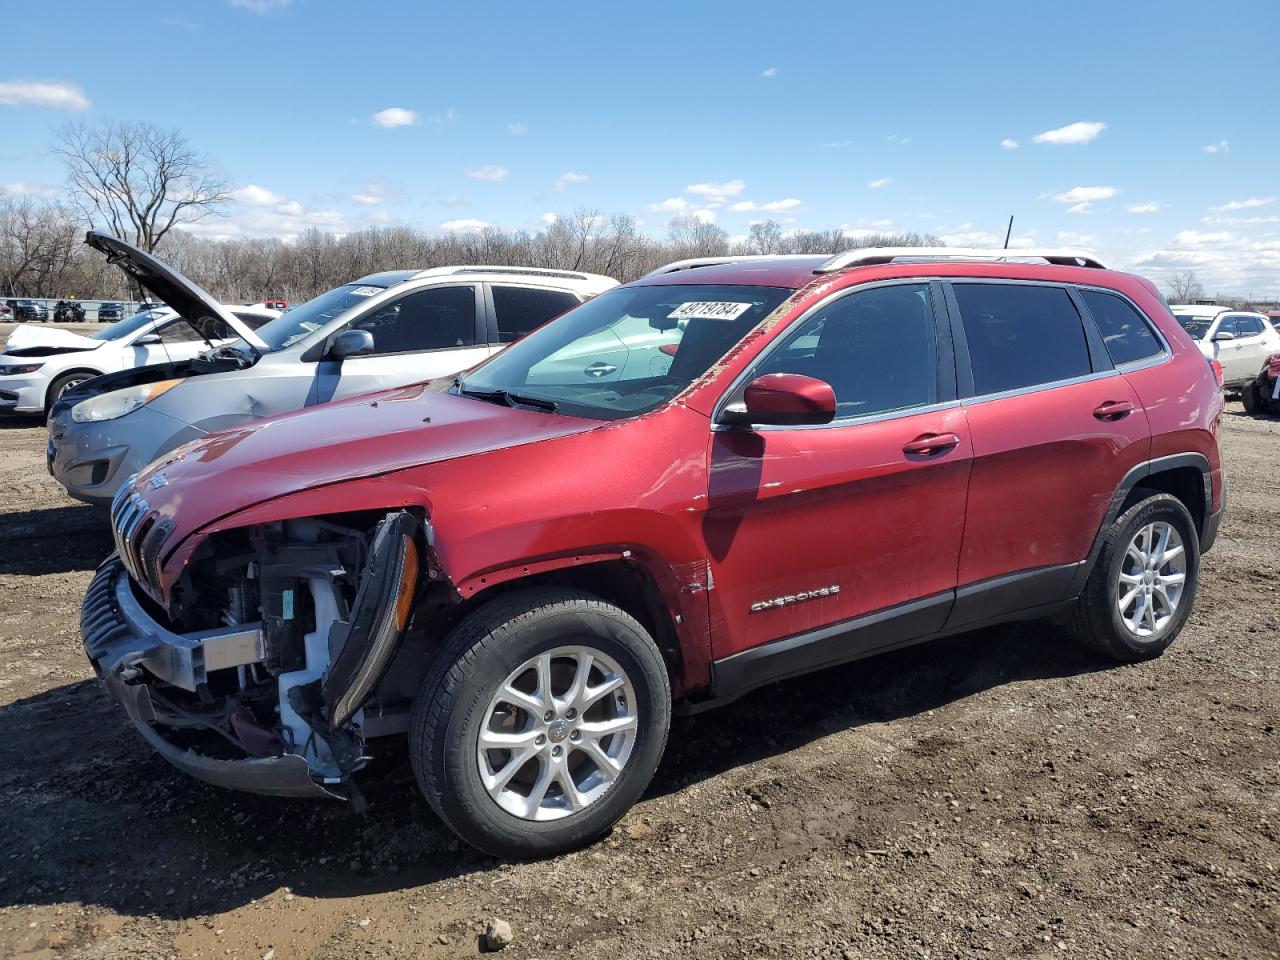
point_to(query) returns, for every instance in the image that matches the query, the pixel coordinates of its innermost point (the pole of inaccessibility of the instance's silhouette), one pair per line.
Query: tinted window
(1227, 325)
(253, 320)
(875, 348)
(432, 319)
(1126, 334)
(178, 332)
(522, 309)
(1021, 336)
(1248, 326)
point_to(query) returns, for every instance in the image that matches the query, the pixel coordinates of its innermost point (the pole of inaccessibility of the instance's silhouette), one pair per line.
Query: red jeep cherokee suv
(732, 471)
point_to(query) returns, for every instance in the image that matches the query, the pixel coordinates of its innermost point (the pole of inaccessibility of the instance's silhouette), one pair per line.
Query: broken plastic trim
(368, 639)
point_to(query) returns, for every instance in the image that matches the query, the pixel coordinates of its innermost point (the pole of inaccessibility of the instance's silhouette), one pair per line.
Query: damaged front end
(264, 673)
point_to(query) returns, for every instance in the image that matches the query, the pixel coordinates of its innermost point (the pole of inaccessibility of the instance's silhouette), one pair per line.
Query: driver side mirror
(147, 339)
(782, 399)
(1223, 335)
(351, 343)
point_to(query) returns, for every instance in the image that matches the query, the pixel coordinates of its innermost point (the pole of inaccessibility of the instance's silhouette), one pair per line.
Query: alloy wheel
(1152, 576)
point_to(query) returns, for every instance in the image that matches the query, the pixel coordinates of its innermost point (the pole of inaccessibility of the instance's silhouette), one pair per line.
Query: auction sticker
(709, 310)
(365, 291)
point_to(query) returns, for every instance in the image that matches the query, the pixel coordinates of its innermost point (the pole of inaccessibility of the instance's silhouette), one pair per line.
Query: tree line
(42, 253)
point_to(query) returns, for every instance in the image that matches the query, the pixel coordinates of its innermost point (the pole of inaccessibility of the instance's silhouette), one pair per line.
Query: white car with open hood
(39, 364)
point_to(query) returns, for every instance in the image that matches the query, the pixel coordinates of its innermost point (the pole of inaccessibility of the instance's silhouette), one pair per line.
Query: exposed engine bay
(276, 643)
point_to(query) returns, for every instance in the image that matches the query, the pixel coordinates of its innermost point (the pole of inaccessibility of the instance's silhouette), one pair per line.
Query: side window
(523, 309)
(1227, 325)
(252, 320)
(433, 319)
(1126, 334)
(1248, 326)
(179, 331)
(1021, 335)
(875, 347)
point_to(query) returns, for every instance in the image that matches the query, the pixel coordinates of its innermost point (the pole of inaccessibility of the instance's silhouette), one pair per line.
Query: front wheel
(1143, 584)
(541, 723)
(64, 383)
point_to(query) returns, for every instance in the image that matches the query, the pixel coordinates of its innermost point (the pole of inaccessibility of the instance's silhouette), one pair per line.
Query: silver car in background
(383, 330)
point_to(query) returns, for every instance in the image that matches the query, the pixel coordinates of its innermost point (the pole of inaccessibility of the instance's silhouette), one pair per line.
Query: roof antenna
(1009, 232)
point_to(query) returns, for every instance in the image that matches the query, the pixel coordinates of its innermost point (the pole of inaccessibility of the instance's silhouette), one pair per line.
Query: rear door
(1244, 356)
(516, 309)
(426, 333)
(1055, 427)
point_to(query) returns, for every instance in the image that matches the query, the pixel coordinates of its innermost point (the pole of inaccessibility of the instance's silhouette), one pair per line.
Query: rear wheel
(1250, 397)
(1143, 584)
(542, 722)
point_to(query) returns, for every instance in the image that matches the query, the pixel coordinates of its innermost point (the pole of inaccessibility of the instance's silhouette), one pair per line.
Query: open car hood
(192, 304)
(28, 336)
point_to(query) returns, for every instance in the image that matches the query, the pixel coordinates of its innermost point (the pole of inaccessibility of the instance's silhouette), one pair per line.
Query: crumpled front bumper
(126, 645)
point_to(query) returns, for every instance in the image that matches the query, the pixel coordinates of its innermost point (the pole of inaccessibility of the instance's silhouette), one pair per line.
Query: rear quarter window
(1124, 331)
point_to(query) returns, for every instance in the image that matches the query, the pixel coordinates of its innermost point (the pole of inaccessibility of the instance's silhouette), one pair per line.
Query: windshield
(129, 325)
(627, 351)
(1195, 325)
(291, 327)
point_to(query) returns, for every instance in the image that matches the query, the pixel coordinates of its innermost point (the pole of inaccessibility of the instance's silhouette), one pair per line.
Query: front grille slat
(139, 534)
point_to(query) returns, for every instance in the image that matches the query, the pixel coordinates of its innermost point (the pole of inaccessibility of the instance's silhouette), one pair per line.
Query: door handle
(931, 444)
(1113, 410)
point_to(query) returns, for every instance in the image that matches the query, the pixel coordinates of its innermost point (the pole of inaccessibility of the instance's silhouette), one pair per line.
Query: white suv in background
(1239, 340)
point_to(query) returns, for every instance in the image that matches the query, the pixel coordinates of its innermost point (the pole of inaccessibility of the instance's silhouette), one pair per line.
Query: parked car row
(543, 536)
(1241, 341)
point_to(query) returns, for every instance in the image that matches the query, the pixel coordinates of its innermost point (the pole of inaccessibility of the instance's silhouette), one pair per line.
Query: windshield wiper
(508, 398)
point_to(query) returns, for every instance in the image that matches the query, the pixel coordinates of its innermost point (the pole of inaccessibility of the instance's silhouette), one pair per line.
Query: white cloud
(968, 235)
(897, 138)
(1222, 146)
(1083, 207)
(20, 188)
(518, 129)
(1009, 143)
(878, 183)
(370, 197)
(547, 219)
(260, 6)
(493, 172)
(789, 205)
(252, 195)
(715, 193)
(706, 215)
(379, 216)
(1085, 195)
(769, 73)
(1250, 204)
(43, 93)
(836, 144)
(470, 224)
(291, 208)
(1224, 261)
(1083, 131)
(1150, 206)
(670, 205)
(570, 177)
(286, 221)
(395, 117)
(1072, 239)
(1241, 220)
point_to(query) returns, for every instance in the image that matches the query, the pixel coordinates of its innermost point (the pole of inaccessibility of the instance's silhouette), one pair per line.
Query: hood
(27, 338)
(377, 433)
(192, 303)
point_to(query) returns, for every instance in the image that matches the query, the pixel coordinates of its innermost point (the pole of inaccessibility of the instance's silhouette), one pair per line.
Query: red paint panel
(795, 510)
(1044, 471)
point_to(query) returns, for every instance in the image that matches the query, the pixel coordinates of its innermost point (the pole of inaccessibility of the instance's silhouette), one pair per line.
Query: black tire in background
(64, 383)
(477, 658)
(1096, 621)
(1250, 397)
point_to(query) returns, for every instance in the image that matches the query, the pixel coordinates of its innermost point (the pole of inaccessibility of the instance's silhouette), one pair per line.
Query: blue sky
(1144, 132)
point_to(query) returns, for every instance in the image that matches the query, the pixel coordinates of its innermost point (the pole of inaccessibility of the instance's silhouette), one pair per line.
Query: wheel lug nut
(556, 751)
(571, 715)
(540, 739)
(549, 716)
(576, 735)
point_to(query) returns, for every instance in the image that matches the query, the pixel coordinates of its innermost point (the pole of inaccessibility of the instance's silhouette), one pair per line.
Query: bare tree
(138, 180)
(1184, 287)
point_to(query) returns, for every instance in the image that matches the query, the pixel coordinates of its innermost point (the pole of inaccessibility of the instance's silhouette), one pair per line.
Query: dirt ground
(999, 794)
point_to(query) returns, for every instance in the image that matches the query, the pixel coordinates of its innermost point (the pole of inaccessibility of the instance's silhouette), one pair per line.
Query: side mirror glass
(783, 399)
(147, 339)
(1223, 335)
(351, 343)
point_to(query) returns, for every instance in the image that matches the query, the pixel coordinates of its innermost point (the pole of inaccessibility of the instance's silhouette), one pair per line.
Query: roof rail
(694, 262)
(874, 255)
(530, 271)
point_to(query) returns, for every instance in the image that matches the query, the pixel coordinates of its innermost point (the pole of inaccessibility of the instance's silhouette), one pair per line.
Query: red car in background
(732, 471)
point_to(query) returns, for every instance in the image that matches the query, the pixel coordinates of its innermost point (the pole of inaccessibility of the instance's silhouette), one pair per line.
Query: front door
(811, 527)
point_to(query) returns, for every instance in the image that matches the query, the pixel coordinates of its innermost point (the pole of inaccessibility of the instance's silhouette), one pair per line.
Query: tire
(64, 383)
(1250, 398)
(459, 701)
(1097, 621)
